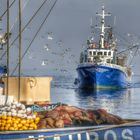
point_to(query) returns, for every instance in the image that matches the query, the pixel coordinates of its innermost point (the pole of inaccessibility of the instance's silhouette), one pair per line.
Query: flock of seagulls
(61, 57)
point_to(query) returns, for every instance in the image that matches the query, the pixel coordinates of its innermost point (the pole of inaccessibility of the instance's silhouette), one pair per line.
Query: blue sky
(69, 26)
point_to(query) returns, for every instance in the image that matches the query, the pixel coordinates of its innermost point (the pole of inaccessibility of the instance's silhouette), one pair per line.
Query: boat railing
(124, 69)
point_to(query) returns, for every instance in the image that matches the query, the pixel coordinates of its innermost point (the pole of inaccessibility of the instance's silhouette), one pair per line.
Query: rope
(117, 126)
(35, 35)
(6, 9)
(123, 38)
(25, 27)
(130, 48)
(134, 56)
(17, 17)
(80, 132)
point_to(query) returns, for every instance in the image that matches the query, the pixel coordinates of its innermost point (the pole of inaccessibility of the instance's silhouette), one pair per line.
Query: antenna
(114, 20)
(91, 22)
(91, 25)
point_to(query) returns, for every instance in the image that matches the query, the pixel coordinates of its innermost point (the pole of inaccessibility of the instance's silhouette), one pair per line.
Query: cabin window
(108, 60)
(99, 53)
(90, 53)
(105, 53)
(89, 59)
(94, 53)
(109, 53)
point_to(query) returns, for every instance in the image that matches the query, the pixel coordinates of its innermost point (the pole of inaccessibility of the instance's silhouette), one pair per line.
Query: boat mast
(102, 34)
(19, 58)
(102, 27)
(7, 88)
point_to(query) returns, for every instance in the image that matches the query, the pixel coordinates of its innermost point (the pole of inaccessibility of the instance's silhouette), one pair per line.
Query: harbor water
(124, 103)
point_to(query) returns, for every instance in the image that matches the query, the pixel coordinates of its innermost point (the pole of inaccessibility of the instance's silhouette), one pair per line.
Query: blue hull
(130, 132)
(98, 76)
(3, 70)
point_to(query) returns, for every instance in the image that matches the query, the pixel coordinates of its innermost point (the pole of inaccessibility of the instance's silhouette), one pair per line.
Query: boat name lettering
(94, 136)
(126, 134)
(40, 137)
(110, 132)
(56, 138)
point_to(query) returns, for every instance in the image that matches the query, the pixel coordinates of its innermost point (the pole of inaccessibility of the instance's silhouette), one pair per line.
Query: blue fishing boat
(107, 132)
(101, 66)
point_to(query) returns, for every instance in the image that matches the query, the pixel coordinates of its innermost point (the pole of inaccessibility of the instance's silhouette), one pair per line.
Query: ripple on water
(124, 103)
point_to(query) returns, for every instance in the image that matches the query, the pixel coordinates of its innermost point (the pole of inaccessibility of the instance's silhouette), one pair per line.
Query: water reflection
(111, 100)
(103, 93)
(124, 103)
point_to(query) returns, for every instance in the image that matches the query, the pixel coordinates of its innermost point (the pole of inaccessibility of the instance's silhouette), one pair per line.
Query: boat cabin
(99, 55)
(94, 54)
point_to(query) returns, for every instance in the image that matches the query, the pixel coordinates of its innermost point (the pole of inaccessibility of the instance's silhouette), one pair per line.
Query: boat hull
(130, 132)
(3, 70)
(101, 77)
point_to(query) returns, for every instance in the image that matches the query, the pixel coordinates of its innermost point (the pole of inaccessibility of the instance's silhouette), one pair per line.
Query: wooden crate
(33, 89)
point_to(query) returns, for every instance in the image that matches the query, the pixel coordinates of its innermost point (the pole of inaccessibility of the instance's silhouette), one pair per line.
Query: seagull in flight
(50, 36)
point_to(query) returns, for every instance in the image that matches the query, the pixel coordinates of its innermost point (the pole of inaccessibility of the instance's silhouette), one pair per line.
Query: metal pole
(19, 70)
(7, 88)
